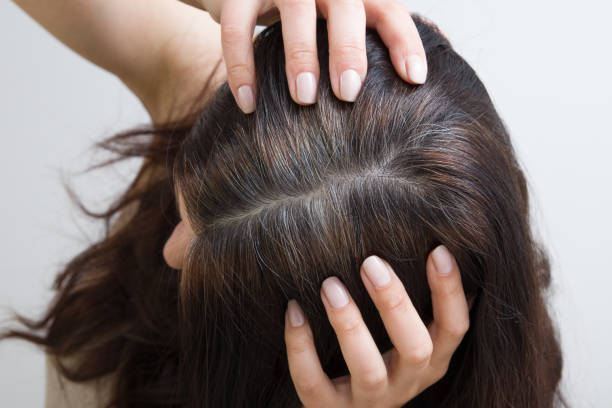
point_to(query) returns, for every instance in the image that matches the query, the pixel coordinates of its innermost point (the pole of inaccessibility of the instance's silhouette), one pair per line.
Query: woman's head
(276, 201)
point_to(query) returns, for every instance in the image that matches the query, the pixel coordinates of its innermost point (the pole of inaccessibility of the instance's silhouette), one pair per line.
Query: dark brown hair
(283, 198)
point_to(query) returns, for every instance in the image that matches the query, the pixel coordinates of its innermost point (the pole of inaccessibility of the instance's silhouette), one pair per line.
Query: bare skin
(346, 22)
(176, 246)
(164, 51)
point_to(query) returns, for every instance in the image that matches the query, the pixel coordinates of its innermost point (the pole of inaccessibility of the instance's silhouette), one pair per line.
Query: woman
(274, 203)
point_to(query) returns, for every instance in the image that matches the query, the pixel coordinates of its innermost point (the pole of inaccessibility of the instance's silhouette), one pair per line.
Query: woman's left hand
(420, 355)
(346, 23)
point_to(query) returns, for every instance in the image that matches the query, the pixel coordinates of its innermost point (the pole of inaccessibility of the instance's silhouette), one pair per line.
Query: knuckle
(457, 329)
(420, 355)
(349, 51)
(373, 381)
(232, 33)
(348, 327)
(396, 301)
(454, 328)
(237, 70)
(301, 54)
(449, 285)
(308, 387)
(298, 344)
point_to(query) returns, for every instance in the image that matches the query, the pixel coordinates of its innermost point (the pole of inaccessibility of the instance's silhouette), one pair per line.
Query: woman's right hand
(346, 22)
(420, 355)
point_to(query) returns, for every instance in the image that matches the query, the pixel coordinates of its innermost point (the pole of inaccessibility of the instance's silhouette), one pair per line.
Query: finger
(298, 21)
(365, 364)
(237, 25)
(406, 330)
(348, 62)
(313, 386)
(450, 308)
(393, 22)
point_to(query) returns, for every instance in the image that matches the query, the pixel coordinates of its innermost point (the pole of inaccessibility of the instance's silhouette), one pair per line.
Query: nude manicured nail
(442, 260)
(246, 99)
(416, 69)
(376, 271)
(306, 87)
(294, 311)
(350, 84)
(335, 292)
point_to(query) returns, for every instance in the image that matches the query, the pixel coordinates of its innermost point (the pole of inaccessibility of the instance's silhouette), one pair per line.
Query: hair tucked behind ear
(284, 197)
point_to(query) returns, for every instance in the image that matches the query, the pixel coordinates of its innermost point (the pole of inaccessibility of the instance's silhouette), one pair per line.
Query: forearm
(109, 33)
(146, 43)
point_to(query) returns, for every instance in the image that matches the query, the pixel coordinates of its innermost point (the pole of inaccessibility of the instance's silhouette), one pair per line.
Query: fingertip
(246, 98)
(376, 272)
(416, 69)
(306, 88)
(401, 36)
(295, 314)
(334, 294)
(443, 261)
(443, 275)
(350, 85)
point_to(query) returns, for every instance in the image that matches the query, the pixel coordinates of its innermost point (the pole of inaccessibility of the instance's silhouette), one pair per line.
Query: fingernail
(245, 99)
(294, 311)
(376, 271)
(350, 83)
(335, 292)
(306, 87)
(416, 69)
(442, 260)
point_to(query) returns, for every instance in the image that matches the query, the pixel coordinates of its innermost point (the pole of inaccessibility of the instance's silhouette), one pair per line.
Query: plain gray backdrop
(546, 64)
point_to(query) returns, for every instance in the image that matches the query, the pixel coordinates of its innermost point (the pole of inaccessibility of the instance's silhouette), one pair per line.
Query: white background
(547, 65)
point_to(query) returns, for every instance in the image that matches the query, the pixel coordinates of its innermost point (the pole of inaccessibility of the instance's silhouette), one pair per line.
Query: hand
(420, 356)
(346, 22)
